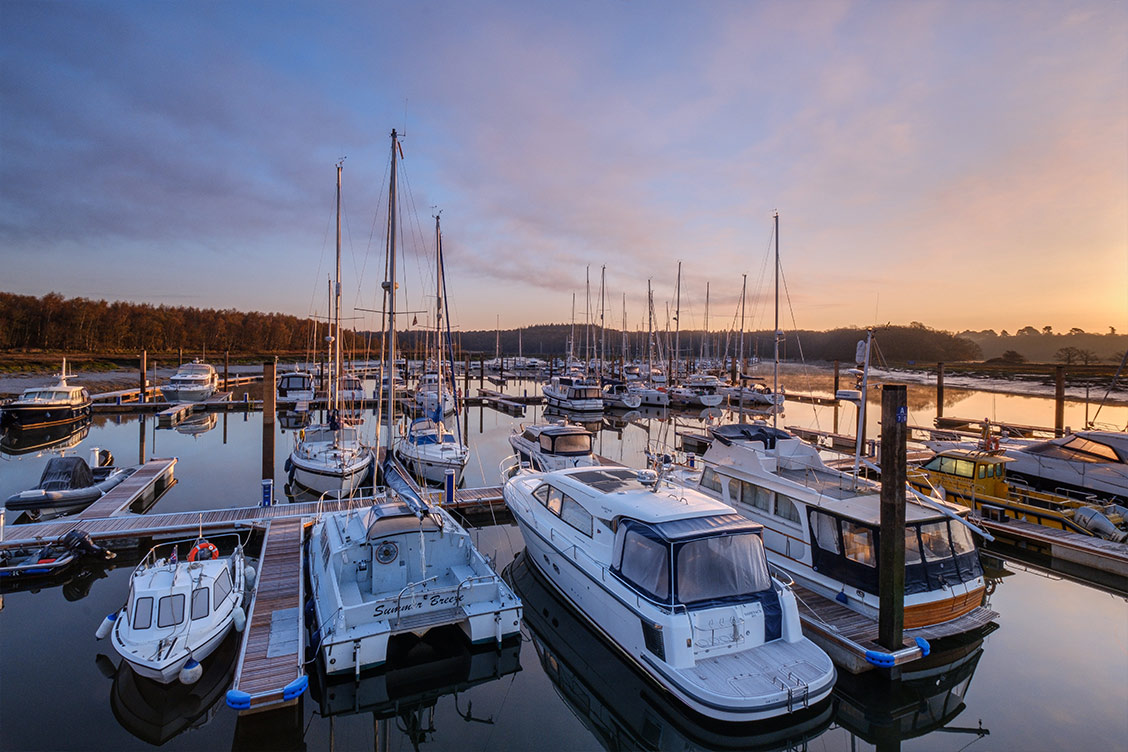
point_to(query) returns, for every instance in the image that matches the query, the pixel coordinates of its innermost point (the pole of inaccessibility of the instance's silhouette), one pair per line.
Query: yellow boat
(977, 479)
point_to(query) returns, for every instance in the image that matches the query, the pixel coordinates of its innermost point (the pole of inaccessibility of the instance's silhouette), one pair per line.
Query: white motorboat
(573, 392)
(399, 567)
(351, 390)
(698, 390)
(649, 396)
(620, 395)
(428, 395)
(678, 582)
(296, 386)
(192, 382)
(179, 610)
(429, 450)
(41, 407)
(751, 395)
(553, 446)
(821, 527)
(1085, 464)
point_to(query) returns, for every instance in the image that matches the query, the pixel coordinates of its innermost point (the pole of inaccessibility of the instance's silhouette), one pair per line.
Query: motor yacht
(41, 407)
(192, 382)
(698, 390)
(620, 395)
(553, 446)
(296, 386)
(573, 392)
(678, 582)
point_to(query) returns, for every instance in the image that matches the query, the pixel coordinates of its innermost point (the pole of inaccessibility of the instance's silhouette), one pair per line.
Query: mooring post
(226, 369)
(466, 381)
(269, 369)
(1059, 401)
(939, 390)
(180, 356)
(837, 402)
(144, 373)
(891, 556)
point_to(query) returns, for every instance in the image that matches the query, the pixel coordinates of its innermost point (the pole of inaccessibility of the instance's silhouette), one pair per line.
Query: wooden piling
(226, 368)
(891, 556)
(144, 372)
(939, 390)
(836, 378)
(269, 377)
(1059, 401)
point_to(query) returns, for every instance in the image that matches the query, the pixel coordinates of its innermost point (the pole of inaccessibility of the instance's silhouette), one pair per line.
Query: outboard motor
(80, 542)
(1095, 522)
(101, 457)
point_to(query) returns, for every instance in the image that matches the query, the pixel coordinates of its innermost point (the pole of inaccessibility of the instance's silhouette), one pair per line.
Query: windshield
(721, 567)
(576, 443)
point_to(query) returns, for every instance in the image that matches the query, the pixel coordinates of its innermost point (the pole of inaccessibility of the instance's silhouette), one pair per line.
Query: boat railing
(409, 586)
(467, 581)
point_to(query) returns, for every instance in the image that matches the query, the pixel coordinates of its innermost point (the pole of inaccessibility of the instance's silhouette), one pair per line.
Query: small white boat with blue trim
(179, 610)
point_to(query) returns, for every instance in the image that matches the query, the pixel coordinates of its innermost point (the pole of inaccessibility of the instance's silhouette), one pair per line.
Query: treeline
(53, 322)
(897, 344)
(1046, 346)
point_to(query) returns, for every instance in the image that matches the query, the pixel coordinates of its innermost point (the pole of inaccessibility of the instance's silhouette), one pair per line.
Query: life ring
(993, 444)
(203, 550)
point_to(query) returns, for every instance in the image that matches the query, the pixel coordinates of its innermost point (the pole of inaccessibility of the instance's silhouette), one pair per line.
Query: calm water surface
(1054, 675)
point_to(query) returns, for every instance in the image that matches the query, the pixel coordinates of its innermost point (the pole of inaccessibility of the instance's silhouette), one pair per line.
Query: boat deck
(271, 670)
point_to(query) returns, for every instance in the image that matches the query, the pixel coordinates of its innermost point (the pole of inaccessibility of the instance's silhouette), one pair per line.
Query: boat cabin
(577, 388)
(966, 472)
(60, 394)
(295, 384)
(162, 598)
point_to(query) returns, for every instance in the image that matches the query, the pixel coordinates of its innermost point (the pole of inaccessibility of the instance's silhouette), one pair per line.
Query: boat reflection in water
(294, 420)
(25, 440)
(592, 421)
(418, 673)
(885, 712)
(197, 424)
(620, 706)
(155, 712)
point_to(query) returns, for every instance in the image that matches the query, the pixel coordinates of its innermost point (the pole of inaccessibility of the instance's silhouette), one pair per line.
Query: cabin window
(912, 546)
(857, 540)
(555, 500)
(1099, 452)
(721, 567)
(170, 610)
(934, 541)
(962, 541)
(143, 613)
(785, 508)
(576, 443)
(576, 516)
(222, 587)
(982, 472)
(826, 532)
(200, 601)
(645, 563)
(542, 493)
(709, 480)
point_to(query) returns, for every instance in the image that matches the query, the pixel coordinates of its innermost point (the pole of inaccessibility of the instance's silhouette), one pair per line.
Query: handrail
(477, 577)
(409, 586)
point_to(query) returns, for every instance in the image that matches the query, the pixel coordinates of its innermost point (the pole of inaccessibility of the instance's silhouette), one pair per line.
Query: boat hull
(42, 416)
(432, 470)
(187, 393)
(320, 479)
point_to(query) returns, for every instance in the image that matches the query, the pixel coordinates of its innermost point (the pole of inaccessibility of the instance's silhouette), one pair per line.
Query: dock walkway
(1087, 551)
(271, 668)
(151, 480)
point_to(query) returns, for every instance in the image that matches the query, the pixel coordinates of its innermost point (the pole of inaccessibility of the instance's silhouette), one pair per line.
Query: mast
(705, 336)
(602, 327)
(390, 287)
(740, 371)
(334, 381)
(572, 336)
(623, 357)
(677, 332)
(497, 343)
(587, 318)
(649, 334)
(439, 313)
(775, 359)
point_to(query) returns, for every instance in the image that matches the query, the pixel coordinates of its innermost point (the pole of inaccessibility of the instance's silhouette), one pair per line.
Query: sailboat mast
(623, 364)
(390, 287)
(677, 332)
(775, 359)
(334, 382)
(572, 336)
(649, 334)
(587, 318)
(705, 336)
(602, 325)
(439, 310)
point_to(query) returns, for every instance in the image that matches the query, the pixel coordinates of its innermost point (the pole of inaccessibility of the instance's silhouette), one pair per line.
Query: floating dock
(143, 487)
(271, 668)
(1085, 551)
(850, 638)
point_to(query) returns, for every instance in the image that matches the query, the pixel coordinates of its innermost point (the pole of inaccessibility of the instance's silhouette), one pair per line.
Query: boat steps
(428, 620)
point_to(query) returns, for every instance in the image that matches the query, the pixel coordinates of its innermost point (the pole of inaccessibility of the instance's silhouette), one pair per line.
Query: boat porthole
(387, 552)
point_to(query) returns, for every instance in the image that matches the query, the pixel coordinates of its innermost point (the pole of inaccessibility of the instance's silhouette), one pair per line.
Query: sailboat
(428, 449)
(401, 566)
(330, 458)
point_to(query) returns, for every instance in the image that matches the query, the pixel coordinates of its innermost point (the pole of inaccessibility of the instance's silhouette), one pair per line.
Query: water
(1054, 675)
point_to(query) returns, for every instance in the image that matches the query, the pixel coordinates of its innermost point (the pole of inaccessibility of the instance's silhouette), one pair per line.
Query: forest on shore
(53, 323)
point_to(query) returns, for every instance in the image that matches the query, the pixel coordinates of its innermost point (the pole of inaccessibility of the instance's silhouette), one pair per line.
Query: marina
(265, 688)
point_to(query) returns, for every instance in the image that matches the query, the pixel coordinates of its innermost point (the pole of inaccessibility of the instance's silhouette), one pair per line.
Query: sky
(959, 164)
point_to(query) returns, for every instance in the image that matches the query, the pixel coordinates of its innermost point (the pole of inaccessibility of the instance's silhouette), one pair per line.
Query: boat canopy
(427, 431)
(766, 435)
(566, 441)
(1076, 449)
(716, 559)
(63, 473)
